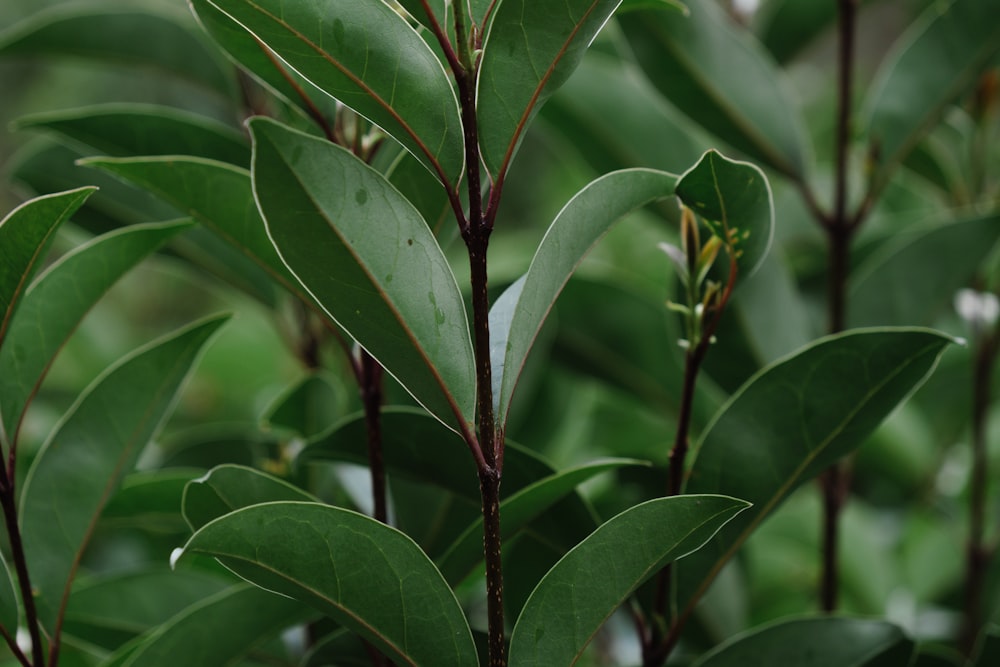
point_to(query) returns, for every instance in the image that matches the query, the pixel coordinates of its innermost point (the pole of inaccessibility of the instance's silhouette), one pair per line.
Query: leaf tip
(175, 556)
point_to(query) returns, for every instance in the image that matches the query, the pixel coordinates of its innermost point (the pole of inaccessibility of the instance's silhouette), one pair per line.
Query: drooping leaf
(518, 314)
(26, 233)
(227, 488)
(365, 575)
(517, 511)
(690, 60)
(915, 279)
(216, 631)
(792, 420)
(403, 305)
(54, 305)
(83, 461)
(733, 197)
(369, 58)
(531, 49)
(815, 642)
(572, 601)
(145, 38)
(123, 130)
(10, 611)
(930, 67)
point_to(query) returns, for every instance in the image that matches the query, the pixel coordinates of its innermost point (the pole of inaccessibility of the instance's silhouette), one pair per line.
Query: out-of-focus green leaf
(340, 648)
(54, 305)
(517, 511)
(369, 58)
(83, 461)
(10, 610)
(572, 601)
(118, 34)
(690, 59)
(519, 313)
(26, 234)
(788, 26)
(216, 631)
(816, 642)
(151, 500)
(307, 408)
(123, 130)
(404, 305)
(931, 66)
(792, 420)
(733, 198)
(227, 488)
(915, 278)
(365, 575)
(990, 651)
(531, 49)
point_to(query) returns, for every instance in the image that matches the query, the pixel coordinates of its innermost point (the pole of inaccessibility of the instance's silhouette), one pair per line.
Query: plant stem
(21, 567)
(489, 488)
(371, 397)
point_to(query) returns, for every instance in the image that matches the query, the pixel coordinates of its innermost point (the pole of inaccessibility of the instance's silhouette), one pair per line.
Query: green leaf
(368, 57)
(572, 601)
(914, 278)
(54, 305)
(216, 631)
(308, 407)
(518, 314)
(26, 234)
(531, 49)
(930, 67)
(792, 420)
(788, 26)
(732, 196)
(690, 60)
(365, 575)
(815, 642)
(404, 305)
(10, 611)
(227, 488)
(150, 500)
(144, 38)
(518, 510)
(124, 130)
(96, 443)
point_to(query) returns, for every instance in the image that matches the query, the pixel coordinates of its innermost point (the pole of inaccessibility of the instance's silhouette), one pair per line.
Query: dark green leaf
(308, 408)
(26, 234)
(369, 58)
(83, 461)
(123, 130)
(691, 60)
(531, 49)
(227, 488)
(151, 500)
(54, 305)
(10, 610)
(788, 26)
(933, 64)
(815, 642)
(365, 575)
(735, 198)
(572, 601)
(518, 314)
(404, 305)
(792, 420)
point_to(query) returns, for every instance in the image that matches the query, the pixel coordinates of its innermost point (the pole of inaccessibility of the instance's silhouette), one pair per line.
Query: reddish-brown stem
(7, 496)
(14, 648)
(371, 397)
(489, 488)
(310, 107)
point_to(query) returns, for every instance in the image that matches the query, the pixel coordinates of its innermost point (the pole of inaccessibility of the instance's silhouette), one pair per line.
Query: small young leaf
(365, 575)
(83, 461)
(227, 488)
(404, 305)
(572, 601)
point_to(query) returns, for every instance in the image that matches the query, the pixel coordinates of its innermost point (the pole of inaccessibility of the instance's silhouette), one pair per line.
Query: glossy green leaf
(930, 67)
(26, 234)
(123, 130)
(54, 305)
(10, 610)
(227, 488)
(517, 511)
(96, 443)
(98, 31)
(404, 305)
(914, 279)
(690, 60)
(815, 642)
(368, 57)
(572, 601)
(792, 420)
(216, 631)
(365, 575)
(519, 313)
(531, 49)
(734, 197)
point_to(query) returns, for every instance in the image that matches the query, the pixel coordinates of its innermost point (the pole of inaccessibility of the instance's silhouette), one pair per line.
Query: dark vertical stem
(21, 567)
(371, 397)
(489, 488)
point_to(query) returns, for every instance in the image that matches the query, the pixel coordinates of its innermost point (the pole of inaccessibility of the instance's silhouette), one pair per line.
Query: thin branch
(14, 648)
(24, 579)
